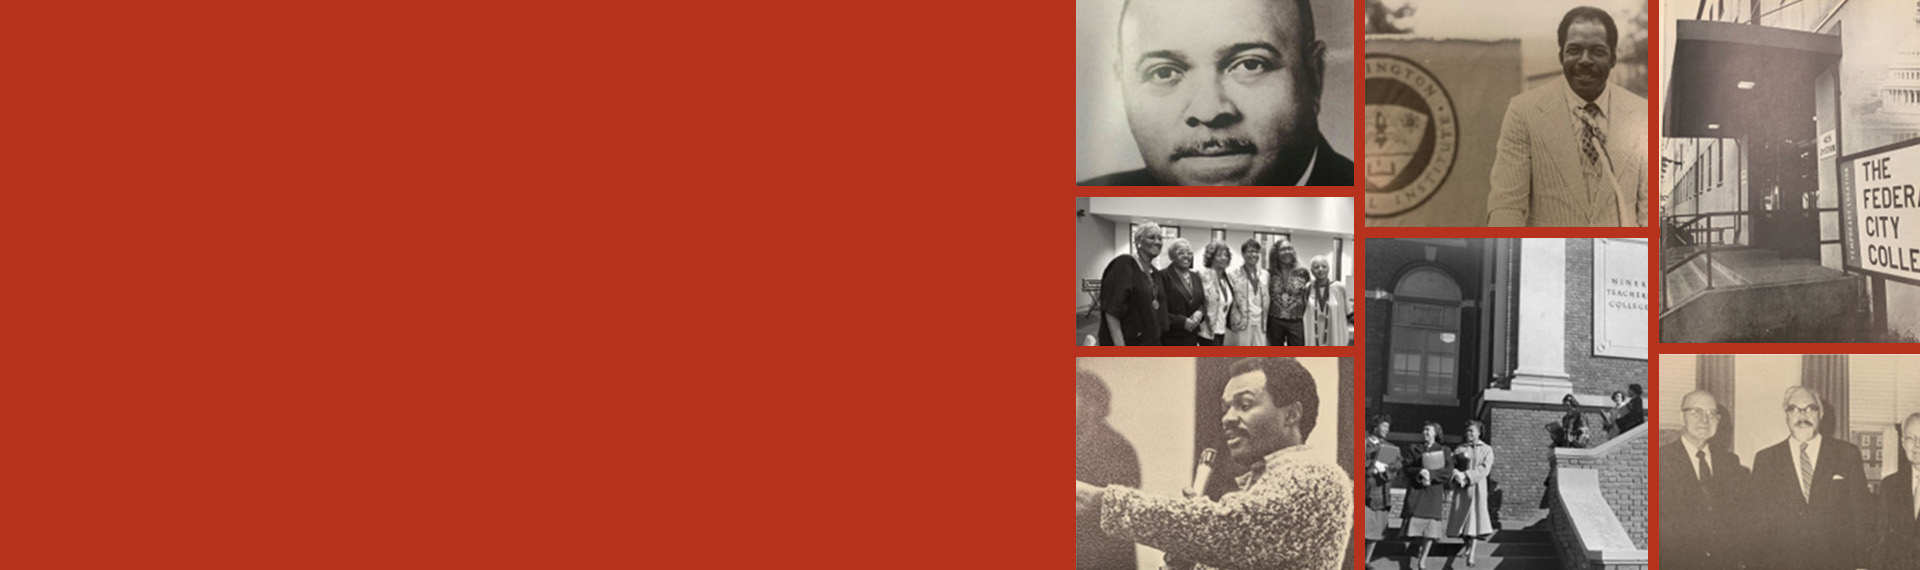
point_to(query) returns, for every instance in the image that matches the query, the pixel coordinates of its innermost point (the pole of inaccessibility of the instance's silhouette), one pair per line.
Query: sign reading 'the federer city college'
(1880, 211)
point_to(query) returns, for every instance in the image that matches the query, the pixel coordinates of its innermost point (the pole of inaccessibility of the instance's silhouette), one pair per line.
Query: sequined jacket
(1292, 512)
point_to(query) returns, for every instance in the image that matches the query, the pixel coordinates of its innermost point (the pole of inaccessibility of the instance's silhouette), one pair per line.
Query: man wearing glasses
(1809, 497)
(1700, 483)
(1573, 153)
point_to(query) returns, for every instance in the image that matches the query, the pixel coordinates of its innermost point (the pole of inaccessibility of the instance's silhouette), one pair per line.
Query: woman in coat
(1326, 321)
(1247, 318)
(1471, 520)
(1186, 303)
(1213, 280)
(1428, 469)
(1130, 298)
(1383, 464)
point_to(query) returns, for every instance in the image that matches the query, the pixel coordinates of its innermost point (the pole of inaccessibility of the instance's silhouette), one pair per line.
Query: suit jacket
(1249, 298)
(1897, 532)
(1538, 176)
(1329, 169)
(1181, 301)
(1828, 531)
(1698, 518)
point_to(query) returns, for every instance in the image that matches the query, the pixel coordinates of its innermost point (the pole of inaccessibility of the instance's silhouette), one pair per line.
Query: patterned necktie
(1806, 474)
(1591, 139)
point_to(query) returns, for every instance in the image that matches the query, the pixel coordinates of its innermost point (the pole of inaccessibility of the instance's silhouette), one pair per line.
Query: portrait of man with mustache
(1225, 93)
(1573, 153)
(1809, 496)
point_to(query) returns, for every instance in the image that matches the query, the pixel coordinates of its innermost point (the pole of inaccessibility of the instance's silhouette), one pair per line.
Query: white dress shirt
(1693, 456)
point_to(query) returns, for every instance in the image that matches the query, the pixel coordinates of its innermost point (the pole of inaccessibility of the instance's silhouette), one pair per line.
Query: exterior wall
(1623, 481)
(1590, 373)
(1387, 260)
(1523, 456)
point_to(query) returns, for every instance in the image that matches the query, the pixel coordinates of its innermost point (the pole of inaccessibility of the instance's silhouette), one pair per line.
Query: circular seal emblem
(1412, 134)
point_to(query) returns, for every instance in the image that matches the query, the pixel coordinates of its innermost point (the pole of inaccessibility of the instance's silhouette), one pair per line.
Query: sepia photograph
(1506, 398)
(1214, 93)
(1535, 116)
(1221, 271)
(1785, 147)
(1214, 463)
(1789, 461)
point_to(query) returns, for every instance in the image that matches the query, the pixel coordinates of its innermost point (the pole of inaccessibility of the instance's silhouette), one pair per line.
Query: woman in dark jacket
(1383, 463)
(1428, 469)
(1185, 297)
(1129, 298)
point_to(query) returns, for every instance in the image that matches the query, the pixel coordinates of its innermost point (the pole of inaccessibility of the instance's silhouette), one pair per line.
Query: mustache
(1214, 147)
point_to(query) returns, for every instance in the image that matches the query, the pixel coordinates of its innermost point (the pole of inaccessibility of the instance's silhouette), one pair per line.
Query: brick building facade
(1501, 330)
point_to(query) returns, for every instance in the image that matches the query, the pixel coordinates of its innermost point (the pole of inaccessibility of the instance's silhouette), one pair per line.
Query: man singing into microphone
(1291, 510)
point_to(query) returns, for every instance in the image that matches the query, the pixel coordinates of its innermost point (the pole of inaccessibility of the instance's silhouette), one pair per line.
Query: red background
(541, 285)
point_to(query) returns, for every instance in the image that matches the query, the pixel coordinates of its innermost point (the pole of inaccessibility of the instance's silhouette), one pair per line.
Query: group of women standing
(1437, 478)
(1286, 305)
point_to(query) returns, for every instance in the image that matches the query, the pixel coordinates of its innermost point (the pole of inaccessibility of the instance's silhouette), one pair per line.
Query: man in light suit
(1700, 484)
(1809, 497)
(1897, 543)
(1573, 153)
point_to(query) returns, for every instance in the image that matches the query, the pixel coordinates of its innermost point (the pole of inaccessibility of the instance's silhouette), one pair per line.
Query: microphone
(1202, 472)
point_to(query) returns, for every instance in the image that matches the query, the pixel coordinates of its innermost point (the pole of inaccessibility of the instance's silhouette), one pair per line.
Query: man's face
(1586, 60)
(1701, 416)
(1803, 415)
(1217, 91)
(1911, 439)
(1253, 425)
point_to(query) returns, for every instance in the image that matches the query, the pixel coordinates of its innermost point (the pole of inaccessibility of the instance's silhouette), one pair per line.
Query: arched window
(1425, 346)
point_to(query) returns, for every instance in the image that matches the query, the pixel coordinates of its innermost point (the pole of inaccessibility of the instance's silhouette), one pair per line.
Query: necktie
(1706, 470)
(1591, 139)
(1806, 474)
(1916, 493)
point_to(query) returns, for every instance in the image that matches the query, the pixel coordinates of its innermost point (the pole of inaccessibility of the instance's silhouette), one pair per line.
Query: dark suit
(1828, 531)
(1182, 299)
(1329, 169)
(1897, 533)
(1698, 517)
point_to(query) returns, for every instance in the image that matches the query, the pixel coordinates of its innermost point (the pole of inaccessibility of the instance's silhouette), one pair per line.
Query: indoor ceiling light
(1744, 85)
(1713, 126)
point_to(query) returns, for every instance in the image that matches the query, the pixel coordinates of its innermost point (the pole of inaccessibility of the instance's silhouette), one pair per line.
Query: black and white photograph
(1214, 93)
(1506, 398)
(1506, 113)
(1213, 463)
(1788, 157)
(1223, 271)
(1789, 461)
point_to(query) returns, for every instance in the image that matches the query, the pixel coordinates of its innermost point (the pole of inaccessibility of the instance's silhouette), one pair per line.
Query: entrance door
(1783, 189)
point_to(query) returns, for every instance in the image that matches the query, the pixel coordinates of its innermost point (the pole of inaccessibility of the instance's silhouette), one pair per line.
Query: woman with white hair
(1326, 319)
(1219, 293)
(1130, 300)
(1185, 300)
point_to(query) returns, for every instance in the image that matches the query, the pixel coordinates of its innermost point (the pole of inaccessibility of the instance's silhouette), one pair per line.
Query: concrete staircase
(1758, 297)
(1528, 547)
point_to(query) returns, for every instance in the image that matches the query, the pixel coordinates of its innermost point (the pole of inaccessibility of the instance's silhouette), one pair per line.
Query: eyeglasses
(1803, 410)
(1702, 414)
